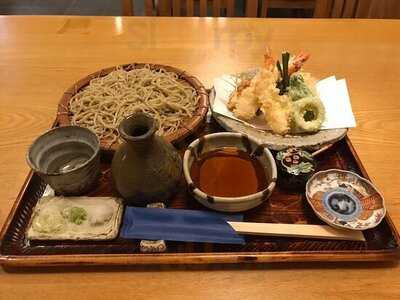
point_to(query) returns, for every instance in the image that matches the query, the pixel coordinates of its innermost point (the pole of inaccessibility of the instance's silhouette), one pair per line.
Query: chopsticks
(322, 149)
(297, 230)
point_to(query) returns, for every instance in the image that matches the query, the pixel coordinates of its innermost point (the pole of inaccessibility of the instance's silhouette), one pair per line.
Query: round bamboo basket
(189, 126)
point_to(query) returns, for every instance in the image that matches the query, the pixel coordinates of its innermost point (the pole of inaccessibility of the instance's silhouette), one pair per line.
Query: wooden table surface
(40, 57)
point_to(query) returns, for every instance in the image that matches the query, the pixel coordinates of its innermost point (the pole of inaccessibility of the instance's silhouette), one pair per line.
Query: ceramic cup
(67, 158)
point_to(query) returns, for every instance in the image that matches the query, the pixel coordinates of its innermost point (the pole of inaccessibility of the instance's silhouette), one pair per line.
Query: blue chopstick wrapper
(179, 225)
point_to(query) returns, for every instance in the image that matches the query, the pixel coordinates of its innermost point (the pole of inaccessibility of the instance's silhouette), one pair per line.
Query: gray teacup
(67, 158)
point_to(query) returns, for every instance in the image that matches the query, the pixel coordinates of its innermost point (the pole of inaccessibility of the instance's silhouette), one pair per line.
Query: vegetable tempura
(275, 91)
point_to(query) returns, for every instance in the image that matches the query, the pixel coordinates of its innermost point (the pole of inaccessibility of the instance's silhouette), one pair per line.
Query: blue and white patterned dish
(344, 199)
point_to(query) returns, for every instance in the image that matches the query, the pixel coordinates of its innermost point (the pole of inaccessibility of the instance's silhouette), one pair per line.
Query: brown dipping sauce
(228, 172)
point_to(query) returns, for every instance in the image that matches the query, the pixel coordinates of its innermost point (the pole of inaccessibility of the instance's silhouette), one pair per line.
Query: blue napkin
(179, 225)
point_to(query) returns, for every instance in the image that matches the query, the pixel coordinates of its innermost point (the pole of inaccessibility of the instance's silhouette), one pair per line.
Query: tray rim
(196, 258)
(203, 258)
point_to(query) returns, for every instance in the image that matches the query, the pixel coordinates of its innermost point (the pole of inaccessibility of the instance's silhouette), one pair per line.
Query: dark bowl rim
(230, 200)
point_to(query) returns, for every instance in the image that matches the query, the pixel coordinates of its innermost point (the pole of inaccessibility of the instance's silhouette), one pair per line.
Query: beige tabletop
(40, 57)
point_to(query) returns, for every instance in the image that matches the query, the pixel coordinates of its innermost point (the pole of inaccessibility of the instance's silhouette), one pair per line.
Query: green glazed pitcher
(145, 168)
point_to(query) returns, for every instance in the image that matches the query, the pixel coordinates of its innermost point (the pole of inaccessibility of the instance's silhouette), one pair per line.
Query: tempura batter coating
(244, 104)
(277, 104)
(276, 108)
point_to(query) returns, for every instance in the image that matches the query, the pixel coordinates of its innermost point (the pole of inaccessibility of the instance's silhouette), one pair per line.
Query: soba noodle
(103, 104)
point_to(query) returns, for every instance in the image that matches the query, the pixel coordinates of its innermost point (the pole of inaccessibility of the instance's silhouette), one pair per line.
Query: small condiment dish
(295, 167)
(67, 158)
(343, 199)
(216, 141)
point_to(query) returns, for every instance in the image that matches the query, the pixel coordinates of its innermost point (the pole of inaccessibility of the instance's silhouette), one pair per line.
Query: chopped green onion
(278, 65)
(285, 64)
(284, 71)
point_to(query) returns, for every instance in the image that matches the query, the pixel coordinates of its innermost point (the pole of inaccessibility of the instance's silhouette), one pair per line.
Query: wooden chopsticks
(297, 230)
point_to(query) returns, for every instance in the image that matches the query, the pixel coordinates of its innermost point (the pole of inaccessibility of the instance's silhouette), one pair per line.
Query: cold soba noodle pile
(103, 104)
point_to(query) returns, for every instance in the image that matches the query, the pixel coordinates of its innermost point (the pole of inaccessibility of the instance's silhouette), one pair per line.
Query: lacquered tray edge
(15, 206)
(203, 258)
(365, 175)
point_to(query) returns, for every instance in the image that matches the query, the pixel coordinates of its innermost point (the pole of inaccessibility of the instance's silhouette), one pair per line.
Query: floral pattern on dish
(344, 199)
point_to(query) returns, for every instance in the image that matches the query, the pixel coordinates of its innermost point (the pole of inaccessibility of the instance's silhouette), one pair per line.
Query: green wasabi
(75, 215)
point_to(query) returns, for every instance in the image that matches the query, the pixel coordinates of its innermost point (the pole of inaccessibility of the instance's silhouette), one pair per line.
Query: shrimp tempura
(262, 93)
(276, 108)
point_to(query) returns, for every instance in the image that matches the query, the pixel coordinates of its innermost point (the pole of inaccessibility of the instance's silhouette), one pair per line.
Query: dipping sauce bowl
(229, 172)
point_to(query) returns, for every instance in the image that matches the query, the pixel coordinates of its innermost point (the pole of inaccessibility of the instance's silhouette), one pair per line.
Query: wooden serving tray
(382, 243)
